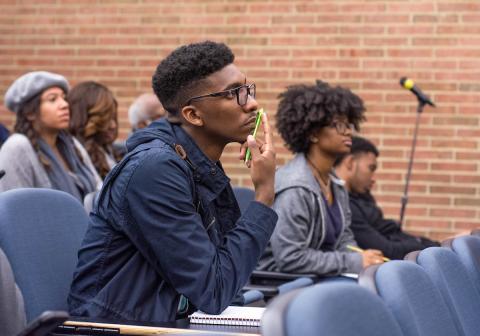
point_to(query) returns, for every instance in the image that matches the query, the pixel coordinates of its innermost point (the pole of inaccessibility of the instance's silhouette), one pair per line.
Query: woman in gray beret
(41, 154)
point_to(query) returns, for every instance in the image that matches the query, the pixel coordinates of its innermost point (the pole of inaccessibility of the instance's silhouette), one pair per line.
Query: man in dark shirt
(165, 235)
(370, 228)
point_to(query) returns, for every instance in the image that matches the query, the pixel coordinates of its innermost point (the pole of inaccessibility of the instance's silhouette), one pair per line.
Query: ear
(192, 116)
(313, 139)
(142, 124)
(349, 162)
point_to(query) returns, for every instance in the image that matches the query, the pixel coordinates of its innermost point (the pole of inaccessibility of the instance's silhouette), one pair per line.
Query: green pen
(248, 155)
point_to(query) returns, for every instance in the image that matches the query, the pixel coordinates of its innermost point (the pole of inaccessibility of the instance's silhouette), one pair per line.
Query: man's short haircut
(360, 145)
(303, 109)
(177, 77)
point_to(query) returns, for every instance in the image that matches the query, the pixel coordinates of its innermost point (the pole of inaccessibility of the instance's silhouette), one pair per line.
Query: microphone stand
(404, 200)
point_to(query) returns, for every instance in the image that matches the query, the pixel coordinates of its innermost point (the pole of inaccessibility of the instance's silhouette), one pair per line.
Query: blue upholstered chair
(468, 250)
(40, 232)
(333, 309)
(457, 288)
(412, 297)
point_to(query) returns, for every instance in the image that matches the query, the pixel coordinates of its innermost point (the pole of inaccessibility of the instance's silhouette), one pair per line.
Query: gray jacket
(296, 243)
(23, 168)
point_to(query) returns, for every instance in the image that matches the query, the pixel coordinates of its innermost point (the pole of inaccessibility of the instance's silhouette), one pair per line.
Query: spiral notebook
(233, 315)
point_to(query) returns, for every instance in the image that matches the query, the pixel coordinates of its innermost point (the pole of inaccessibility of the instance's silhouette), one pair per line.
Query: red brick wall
(365, 45)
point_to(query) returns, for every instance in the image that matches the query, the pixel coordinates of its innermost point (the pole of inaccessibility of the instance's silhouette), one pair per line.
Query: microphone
(409, 84)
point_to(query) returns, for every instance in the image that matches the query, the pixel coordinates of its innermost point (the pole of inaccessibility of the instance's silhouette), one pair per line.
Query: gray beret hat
(31, 84)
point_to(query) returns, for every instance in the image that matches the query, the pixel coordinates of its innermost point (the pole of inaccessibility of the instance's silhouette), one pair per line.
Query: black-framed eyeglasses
(242, 92)
(342, 126)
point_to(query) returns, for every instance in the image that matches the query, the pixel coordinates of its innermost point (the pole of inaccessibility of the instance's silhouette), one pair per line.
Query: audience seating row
(433, 292)
(41, 231)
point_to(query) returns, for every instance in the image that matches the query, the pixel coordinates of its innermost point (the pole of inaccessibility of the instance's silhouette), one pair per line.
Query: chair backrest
(244, 196)
(334, 309)
(475, 232)
(468, 250)
(458, 290)
(413, 299)
(41, 231)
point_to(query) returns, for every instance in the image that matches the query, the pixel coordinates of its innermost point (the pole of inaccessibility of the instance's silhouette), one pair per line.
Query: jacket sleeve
(169, 232)
(347, 237)
(295, 241)
(19, 161)
(368, 237)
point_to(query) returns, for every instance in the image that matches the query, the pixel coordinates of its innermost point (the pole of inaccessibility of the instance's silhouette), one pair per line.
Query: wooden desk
(178, 328)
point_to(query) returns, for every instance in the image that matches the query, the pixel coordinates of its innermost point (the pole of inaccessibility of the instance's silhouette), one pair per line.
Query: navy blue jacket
(165, 227)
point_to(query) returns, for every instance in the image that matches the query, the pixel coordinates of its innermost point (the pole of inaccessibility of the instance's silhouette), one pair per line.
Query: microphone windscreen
(407, 83)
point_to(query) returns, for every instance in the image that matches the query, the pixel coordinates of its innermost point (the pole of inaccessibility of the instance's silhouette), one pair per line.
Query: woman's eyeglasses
(342, 126)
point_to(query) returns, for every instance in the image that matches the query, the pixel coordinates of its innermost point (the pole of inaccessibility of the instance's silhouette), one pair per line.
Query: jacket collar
(208, 174)
(205, 172)
(297, 173)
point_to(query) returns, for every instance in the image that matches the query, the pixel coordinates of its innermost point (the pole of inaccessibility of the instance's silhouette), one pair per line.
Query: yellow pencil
(358, 249)
(248, 154)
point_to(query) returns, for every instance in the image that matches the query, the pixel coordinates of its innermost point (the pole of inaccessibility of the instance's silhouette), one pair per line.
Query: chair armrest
(271, 291)
(298, 283)
(267, 291)
(252, 295)
(277, 278)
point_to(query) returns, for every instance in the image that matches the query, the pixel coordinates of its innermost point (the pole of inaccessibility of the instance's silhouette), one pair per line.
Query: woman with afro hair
(313, 229)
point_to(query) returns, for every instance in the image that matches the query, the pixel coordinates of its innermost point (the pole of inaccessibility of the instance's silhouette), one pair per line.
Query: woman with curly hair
(41, 154)
(94, 122)
(313, 228)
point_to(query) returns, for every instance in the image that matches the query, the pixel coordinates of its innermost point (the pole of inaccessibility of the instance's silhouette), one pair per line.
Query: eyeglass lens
(243, 93)
(342, 126)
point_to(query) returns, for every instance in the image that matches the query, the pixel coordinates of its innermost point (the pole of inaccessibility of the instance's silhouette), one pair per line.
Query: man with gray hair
(145, 109)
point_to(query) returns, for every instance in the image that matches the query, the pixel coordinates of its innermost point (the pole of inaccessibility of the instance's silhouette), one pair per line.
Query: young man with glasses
(313, 230)
(166, 236)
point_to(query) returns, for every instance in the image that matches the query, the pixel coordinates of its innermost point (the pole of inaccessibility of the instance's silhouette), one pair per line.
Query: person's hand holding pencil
(259, 156)
(370, 257)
